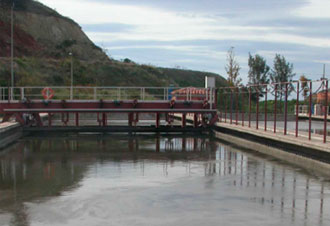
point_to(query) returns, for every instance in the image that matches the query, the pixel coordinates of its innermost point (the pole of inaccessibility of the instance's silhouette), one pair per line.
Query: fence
(275, 106)
(109, 93)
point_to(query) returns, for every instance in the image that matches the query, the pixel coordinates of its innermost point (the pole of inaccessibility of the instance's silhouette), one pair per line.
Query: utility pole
(323, 71)
(71, 88)
(12, 51)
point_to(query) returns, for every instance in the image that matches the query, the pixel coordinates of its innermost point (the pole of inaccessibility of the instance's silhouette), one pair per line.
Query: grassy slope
(41, 72)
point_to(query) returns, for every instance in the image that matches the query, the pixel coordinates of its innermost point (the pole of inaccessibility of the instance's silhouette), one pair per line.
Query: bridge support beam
(195, 120)
(184, 120)
(104, 119)
(130, 119)
(157, 120)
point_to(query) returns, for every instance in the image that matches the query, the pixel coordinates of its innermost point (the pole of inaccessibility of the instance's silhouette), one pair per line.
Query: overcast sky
(196, 34)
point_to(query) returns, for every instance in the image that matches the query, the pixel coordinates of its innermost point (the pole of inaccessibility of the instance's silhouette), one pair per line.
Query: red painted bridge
(71, 103)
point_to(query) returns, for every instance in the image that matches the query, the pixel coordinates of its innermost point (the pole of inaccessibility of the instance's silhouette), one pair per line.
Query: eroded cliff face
(41, 32)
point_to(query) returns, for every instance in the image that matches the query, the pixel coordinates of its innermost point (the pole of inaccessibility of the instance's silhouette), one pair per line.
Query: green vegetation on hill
(30, 71)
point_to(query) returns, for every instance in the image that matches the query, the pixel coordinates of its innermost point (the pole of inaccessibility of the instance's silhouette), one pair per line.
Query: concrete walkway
(302, 140)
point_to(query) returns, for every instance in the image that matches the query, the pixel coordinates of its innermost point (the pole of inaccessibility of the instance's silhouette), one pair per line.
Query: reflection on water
(153, 180)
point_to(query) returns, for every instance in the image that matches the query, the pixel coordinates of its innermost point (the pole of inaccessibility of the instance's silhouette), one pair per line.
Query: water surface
(153, 180)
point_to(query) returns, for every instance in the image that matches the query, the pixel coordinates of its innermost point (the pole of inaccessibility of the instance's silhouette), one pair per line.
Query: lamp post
(71, 87)
(12, 51)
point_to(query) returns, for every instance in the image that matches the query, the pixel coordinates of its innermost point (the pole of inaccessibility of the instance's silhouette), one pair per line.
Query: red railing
(287, 105)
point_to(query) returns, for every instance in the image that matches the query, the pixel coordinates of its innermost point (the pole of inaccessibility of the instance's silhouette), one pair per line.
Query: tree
(258, 73)
(232, 69)
(281, 73)
(258, 70)
(304, 85)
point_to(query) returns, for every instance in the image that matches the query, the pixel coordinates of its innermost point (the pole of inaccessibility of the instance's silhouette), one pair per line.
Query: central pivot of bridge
(70, 104)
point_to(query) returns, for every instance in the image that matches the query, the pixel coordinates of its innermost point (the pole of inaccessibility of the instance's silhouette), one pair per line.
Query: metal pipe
(326, 111)
(275, 108)
(310, 111)
(297, 109)
(286, 109)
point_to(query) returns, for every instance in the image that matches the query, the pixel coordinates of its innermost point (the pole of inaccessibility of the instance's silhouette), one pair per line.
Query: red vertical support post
(157, 120)
(184, 115)
(257, 115)
(266, 107)
(310, 111)
(275, 108)
(242, 107)
(326, 111)
(237, 106)
(225, 99)
(220, 107)
(286, 109)
(49, 119)
(195, 120)
(216, 99)
(250, 106)
(297, 109)
(231, 106)
(77, 119)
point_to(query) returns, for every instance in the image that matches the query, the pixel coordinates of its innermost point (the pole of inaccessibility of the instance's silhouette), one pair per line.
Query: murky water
(149, 180)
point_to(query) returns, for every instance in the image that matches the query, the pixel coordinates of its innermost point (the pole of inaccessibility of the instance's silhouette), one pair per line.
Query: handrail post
(71, 93)
(242, 106)
(266, 108)
(225, 107)
(286, 109)
(326, 111)
(297, 109)
(257, 115)
(275, 108)
(95, 93)
(237, 90)
(310, 111)
(249, 106)
(22, 93)
(231, 106)
(220, 106)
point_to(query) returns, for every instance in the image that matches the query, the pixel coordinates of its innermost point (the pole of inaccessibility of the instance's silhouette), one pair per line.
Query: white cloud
(100, 12)
(148, 35)
(315, 9)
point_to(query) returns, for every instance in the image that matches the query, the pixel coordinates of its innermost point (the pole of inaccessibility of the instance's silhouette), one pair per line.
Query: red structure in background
(195, 93)
(202, 106)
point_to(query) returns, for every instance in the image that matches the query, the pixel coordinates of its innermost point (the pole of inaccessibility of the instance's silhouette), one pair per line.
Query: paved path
(316, 142)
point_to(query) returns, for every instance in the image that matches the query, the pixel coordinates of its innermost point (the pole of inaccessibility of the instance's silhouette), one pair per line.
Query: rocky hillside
(43, 38)
(42, 32)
